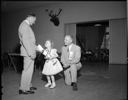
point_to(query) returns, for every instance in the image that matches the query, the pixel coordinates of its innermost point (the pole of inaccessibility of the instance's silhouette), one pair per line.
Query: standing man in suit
(70, 59)
(28, 51)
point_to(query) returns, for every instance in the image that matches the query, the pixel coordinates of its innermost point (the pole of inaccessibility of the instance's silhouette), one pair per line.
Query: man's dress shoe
(33, 88)
(26, 92)
(74, 87)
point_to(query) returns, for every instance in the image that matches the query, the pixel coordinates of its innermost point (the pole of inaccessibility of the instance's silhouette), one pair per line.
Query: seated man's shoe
(26, 92)
(22, 92)
(74, 87)
(33, 88)
(71, 84)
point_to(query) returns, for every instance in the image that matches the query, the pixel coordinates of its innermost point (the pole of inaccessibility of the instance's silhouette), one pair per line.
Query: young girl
(52, 65)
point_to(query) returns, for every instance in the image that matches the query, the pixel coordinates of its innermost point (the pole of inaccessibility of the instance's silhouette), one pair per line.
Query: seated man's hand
(66, 65)
(33, 56)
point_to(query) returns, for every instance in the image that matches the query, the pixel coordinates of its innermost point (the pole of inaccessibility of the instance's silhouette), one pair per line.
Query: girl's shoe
(47, 85)
(52, 86)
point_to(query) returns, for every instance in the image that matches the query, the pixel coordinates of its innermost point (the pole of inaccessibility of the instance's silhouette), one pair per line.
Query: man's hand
(33, 57)
(65, 65)
(39, 48)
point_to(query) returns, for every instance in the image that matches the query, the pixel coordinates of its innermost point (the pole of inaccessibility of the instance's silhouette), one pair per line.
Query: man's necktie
(67, 49)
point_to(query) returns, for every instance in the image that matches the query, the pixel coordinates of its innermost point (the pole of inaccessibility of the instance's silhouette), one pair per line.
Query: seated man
(70, 58)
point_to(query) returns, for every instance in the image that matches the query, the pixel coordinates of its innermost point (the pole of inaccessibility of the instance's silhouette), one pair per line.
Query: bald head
(31, 18)
(68, 40)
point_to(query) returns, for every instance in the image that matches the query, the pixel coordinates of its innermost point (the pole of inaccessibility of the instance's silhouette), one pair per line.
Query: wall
(118, 41)
(70, 29)
(9, 36)
(72, 13)
(43, 29)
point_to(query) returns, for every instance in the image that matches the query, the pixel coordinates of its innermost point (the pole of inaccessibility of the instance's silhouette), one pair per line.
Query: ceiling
(16, 5)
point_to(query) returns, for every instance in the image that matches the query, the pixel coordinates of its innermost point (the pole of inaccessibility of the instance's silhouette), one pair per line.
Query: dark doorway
(92, 38)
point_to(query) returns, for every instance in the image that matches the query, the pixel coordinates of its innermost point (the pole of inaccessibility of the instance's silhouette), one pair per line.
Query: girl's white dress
(52, 65)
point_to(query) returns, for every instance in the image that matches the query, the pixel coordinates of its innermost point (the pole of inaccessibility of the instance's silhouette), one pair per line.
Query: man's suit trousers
(71, 73)
(27, 73)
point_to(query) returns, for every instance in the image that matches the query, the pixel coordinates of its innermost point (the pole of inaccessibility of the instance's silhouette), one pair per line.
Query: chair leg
(11, 62)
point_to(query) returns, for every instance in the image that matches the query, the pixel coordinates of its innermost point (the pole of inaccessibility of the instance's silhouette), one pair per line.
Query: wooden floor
(98, 81)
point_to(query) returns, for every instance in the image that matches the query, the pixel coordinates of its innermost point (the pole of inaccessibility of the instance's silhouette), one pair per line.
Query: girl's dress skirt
(52, 67)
